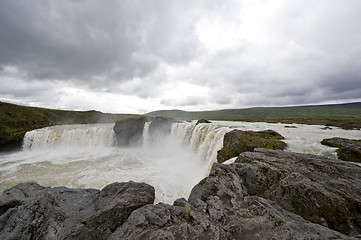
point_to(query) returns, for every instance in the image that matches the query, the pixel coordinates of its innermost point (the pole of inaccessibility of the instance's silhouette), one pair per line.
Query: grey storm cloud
(179, 54)
(82, 39)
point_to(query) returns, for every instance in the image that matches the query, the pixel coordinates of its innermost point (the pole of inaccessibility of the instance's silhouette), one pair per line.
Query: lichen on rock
(238, 141)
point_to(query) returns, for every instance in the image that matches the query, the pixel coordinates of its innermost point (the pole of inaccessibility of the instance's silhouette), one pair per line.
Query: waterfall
(146, 133)
(203, 139)
(70, 136)
(85, 156)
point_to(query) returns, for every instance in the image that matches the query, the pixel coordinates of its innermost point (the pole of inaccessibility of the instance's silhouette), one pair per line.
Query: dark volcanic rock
(238, 141)
(129, 131)
(219, 207)
(202, 121)
(348, 150)
(160, 127)
(30, 211)
(319, 189)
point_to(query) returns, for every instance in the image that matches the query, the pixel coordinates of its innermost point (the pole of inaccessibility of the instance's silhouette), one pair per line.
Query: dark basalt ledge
(129, 131)
(266, 194)
(202, 121)
(238, 141)
(348, 150)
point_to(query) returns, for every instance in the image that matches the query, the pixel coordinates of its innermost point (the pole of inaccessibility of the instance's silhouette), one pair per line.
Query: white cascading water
(202, 139)
(84, 156)
(76, 136)
(146, 133)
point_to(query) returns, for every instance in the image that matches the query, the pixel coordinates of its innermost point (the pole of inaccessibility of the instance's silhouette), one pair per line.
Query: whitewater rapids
(86, 156)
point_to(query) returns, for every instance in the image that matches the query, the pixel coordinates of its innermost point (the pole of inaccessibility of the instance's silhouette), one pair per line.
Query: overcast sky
(139, 56)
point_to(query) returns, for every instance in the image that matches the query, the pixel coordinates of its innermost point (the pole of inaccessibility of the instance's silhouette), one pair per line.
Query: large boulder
(319, 189)
(238, 141)
(129, 131)
(30, 211)
(348, 150)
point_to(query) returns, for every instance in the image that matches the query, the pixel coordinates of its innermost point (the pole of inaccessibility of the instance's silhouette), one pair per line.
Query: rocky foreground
(266, 194)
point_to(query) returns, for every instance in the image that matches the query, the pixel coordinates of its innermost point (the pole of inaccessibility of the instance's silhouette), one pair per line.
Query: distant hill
(346, 116)
(15, 120)
(348, 111)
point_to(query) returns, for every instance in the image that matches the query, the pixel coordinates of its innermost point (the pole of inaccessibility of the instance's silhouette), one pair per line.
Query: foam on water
(84, 156)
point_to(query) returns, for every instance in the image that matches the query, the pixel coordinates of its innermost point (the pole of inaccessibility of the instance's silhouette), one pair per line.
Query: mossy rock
(238, 141)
